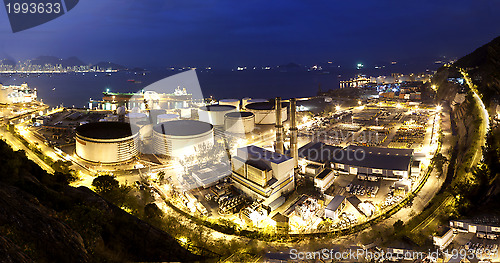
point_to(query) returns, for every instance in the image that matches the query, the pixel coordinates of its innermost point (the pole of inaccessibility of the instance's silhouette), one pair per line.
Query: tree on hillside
(104, 184)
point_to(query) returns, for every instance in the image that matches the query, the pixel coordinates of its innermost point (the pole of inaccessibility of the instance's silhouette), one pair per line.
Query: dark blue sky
(257, 32)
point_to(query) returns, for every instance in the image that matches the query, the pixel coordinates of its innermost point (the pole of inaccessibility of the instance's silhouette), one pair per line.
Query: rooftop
(376, 160)
(280, 218)
(324, 173)
(362, 156)
(263, 154)
(335, 203)
(318, 151)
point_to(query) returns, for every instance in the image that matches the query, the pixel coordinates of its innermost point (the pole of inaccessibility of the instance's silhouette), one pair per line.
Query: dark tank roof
(239, 114)
(183, 127)
(105, 130)
(218, 108)
(264, 105)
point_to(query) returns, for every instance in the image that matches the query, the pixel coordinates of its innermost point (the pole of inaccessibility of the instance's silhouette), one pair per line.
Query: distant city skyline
(230, 34)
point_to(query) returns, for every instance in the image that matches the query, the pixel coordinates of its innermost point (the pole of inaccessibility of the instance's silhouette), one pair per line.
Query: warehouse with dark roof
(384, 163)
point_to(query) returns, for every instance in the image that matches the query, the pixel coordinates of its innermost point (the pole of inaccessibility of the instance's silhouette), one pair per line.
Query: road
(484, 126)
(18, 145)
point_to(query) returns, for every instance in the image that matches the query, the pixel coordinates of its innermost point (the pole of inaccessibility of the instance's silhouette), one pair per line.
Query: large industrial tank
(239, 122)
(214, 114)
(167, 117)
(265, 112)
(106, 142)
(232, 102)
(181, 137)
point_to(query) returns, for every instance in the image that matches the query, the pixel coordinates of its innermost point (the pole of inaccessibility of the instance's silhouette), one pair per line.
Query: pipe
(279, 127)
(294, 150)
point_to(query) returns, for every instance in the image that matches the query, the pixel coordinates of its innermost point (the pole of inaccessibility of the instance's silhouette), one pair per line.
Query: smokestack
(294, 150)
(279, 127)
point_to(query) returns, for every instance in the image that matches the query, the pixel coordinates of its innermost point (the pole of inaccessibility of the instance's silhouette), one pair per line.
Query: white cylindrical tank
(181, 137)
(145, 130)
(244, 102)
(265, 112)
(166, 117)
(186, 113)
(135, 117)
(232, 102)
(250, 101)
(106, 142)
(239, 122)
(153, 115)
(214, 114)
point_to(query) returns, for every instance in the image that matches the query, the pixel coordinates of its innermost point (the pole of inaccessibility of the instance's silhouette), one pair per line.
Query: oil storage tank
(239, 122)
(135, 117)
(166, 117)
(214, 114)
(232, 102)
(107, 142)
(250, 101)
(265, 112)
(181, 137)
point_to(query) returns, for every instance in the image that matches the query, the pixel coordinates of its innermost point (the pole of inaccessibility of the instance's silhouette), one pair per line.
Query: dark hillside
(43, 220)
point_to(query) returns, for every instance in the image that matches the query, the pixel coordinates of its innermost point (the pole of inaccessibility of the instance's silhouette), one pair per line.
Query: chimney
(294, 150)
(279, 127)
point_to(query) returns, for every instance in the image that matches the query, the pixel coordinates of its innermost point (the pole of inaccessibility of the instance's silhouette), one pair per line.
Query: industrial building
(280, 222)
(324, 179)
(262, 174)
(17, 94)
(481, 230)
(239, 122)
(383, 163)
(143, 100)
(335, 207)
(106, 142)
(444, 237)
(214, 114)
(181, 137)
(265, 112)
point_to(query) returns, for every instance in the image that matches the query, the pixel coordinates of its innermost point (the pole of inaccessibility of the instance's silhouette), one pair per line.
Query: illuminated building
(363, 161)
(262, 174)
(144, 100)
(17, 94)
(357, 82)
(335, 207)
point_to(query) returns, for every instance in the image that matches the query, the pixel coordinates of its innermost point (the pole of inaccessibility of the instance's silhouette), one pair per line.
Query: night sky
(257, 32)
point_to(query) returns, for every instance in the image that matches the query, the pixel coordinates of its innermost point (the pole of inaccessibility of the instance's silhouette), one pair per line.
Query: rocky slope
(43, 220)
